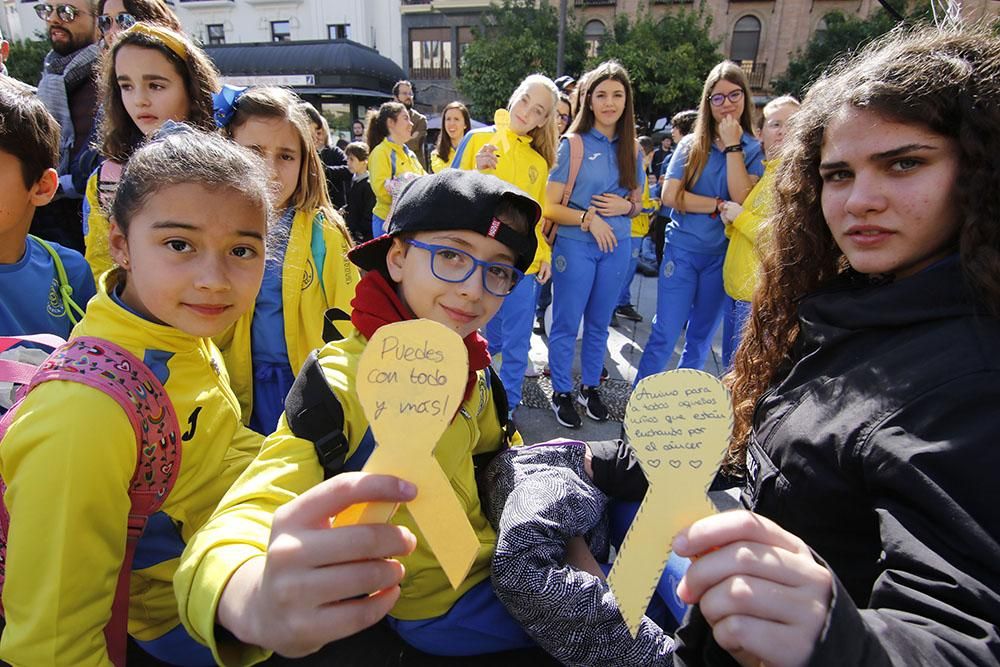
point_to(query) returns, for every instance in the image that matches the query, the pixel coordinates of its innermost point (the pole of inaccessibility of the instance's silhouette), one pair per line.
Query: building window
(820, 35)
(593, 34)
(746, 39)
(281, 31)
(216, 33)
(430, 53)
(465, 38)
(338, 31)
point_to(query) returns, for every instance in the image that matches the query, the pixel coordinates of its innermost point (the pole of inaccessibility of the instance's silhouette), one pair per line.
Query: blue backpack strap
(359, 458)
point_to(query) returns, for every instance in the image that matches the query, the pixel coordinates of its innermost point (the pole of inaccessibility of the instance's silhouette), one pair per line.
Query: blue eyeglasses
(455, 266)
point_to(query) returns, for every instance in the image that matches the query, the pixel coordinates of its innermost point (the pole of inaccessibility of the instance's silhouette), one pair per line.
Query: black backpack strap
(314, 413)
(502, 406)
(330, 318)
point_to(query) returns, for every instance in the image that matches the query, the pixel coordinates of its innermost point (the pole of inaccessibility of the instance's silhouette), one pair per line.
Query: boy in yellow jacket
(266, 567)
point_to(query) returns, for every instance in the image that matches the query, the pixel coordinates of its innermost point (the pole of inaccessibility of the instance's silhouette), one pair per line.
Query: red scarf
(376, 304)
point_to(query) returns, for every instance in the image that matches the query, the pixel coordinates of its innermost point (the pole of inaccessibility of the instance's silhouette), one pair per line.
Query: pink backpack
(119, 374)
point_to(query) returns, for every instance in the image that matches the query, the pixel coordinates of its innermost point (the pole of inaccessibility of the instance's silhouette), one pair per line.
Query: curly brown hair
(947, 80)
(119, 134)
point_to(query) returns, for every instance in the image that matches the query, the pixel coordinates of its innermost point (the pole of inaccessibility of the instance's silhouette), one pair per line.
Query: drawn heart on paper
(653, 463)
(675, 463)
(695, 464)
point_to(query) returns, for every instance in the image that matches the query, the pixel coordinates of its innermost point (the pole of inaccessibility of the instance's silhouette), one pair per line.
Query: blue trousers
(625, 298)
(509, 334)
(689, 289)
(477, 623)
(377, 224)
(735, 314)
(586, 283)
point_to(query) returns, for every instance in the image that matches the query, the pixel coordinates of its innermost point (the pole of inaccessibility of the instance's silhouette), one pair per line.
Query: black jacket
(880, 448)
(338, 176)
(360, 204)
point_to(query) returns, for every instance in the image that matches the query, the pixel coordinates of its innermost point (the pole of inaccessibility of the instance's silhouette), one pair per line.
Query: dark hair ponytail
(378, 122)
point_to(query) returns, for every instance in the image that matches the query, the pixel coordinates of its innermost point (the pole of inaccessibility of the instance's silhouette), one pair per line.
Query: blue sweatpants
(585, 283)
(625, 298)
(377, 226)
(735, 314)
(509, 334)
(689, 289)
(477, 623)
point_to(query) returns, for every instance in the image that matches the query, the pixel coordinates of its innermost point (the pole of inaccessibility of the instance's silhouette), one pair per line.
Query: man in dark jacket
(69, 91)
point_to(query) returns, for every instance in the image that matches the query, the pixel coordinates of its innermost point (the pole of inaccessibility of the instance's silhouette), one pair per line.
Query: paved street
(534, 418)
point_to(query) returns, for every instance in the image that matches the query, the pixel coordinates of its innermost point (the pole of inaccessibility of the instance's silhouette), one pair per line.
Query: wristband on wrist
(718, 207)
(737, 148)
(583, 218)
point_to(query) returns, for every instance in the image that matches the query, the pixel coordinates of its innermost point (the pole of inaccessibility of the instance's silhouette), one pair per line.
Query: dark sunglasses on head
(124, 21)
(66, 13)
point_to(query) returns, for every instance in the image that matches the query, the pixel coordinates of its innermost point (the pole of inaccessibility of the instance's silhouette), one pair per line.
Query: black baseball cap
(455, 199)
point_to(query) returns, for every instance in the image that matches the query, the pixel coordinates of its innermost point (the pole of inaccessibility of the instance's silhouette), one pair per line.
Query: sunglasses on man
(124, 21)
(66, 13)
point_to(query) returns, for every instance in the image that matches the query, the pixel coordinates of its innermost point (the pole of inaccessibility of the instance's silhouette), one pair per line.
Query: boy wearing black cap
(266, 566)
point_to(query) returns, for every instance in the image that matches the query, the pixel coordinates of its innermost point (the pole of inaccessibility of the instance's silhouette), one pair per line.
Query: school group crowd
(174, 469)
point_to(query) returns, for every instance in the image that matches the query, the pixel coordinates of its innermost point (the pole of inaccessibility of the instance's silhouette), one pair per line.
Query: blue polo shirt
(699, 232)
(31, 302)
(598, 175)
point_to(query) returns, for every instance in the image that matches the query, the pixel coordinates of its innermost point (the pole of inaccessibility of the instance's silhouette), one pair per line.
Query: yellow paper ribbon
(411, 380)
(678, 423)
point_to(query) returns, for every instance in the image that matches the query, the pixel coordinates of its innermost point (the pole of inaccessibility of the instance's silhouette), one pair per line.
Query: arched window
(593, 33)
(746, 39)
(821, 30)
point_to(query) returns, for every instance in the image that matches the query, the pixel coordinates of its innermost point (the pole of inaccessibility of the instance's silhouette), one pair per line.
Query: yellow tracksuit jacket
(97, 253)
(380, 167)
(739, 269)
(306, 295)
(67, 460)
(437, 164)
(521, 166)
(288, 466)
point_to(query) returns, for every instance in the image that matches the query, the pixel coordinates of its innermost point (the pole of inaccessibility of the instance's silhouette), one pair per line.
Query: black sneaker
(604, 374)
(629, 312)
(590, 398)
(562, 405)
(614, 321)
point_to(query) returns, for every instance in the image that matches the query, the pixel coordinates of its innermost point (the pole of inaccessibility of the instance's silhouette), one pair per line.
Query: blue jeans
(509, 334)
(477, 623)
(735, 314)
(585, 283)
(626, 296)
(689, 289)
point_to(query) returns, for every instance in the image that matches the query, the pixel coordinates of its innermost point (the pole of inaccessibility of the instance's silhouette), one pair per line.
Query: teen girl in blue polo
(719, 162)
(592, 249)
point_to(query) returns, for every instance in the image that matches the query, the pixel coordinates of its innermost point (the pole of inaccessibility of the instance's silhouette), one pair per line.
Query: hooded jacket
(306, 295)
(878, 447)
(67, 460)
